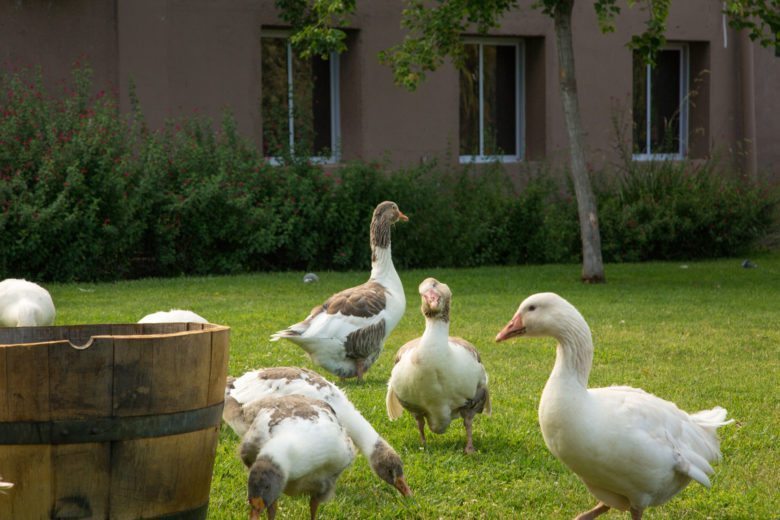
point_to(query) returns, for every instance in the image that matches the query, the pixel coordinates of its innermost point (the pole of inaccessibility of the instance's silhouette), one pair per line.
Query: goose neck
(382, 262)
(436, 330)
(574, 354)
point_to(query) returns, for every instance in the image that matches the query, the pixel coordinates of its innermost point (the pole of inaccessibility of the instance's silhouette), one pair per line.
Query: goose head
(541, 314)
(436, 297)
(385, 215)
(266, 483)
(388, 465)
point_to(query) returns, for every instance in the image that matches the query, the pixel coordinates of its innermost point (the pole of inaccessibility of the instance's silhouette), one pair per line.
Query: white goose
(4, 486)
(632, 449)
(173, 316)
(437, 376)
(258, 384)
(294, 445)
(345, 335)
(24, 304)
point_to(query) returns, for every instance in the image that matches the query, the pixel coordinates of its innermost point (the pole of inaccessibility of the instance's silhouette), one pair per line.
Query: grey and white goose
(241, 392)
(345, 335)
(295, 445)
(438, 377)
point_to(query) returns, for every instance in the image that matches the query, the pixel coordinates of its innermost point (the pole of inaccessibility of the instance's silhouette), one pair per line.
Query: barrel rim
(205, 327)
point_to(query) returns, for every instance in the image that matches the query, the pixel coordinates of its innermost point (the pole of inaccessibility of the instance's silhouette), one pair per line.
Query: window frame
(519, 156)
(685, 71)
(335, 102)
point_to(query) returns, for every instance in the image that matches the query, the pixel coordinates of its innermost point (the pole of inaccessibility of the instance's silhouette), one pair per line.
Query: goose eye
(532, 308)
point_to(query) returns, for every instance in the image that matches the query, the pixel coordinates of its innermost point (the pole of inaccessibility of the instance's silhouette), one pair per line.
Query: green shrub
(88, 193)
(64, 178)
(680, 210)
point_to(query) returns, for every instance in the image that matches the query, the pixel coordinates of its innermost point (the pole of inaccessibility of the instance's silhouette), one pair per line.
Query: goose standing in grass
(632, 449)
(294, 445)
(437, 376)
(25, 304)
(173, 316)
(258, 384)
(345, 335)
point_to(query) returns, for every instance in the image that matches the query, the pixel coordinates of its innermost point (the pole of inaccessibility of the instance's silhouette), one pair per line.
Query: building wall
(203, 56)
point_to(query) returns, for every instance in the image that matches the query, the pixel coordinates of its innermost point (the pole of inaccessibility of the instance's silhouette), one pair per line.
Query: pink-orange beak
(401, 216)
(403, 487)
(432, 298)
(515, 327)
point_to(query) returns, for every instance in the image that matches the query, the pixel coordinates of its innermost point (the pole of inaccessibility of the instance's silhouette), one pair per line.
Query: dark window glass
(309, 122)
(640, 105)
(274, 99)
(320, 106)
(497, 134)
(469, 102)
(663, 120)
(500, 100)
(665, 103)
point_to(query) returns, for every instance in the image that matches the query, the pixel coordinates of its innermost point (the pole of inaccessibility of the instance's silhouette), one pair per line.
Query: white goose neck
(382, 266)
(436, 330)
(574, 354)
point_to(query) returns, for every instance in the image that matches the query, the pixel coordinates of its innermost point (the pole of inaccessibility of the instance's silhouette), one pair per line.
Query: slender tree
(434, 32)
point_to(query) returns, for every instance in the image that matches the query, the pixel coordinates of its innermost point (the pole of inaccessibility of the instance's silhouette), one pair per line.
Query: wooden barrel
(110, 421)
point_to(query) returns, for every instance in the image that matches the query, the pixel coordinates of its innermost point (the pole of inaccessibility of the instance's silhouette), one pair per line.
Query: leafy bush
(63, 181)
(88, 193)
(679, 210)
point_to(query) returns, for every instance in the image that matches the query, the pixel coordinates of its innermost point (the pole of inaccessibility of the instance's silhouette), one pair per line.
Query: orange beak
(403, 487)
(514, 328)
(258, 506)
(403, 217)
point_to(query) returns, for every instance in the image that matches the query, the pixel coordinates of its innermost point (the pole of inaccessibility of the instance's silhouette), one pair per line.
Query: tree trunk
(592, 264)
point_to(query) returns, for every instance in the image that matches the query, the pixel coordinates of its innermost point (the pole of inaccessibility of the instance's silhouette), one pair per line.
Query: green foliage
(759, 17)
(89, 194)
(674, 210)
(65, 173)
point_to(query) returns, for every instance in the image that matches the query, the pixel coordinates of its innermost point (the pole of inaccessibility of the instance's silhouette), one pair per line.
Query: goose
(631, 449)
(173, 316)
(437, 376)
(294, 445)
(241, 392)
(345, 335)
(4, 486)
(25, 304)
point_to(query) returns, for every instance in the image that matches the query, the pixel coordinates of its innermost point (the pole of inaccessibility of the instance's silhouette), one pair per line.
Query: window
(661, 105)
(491, 101)
(299, 101)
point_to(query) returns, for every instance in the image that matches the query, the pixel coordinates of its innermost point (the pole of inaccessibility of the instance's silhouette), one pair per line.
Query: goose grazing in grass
(437, 376)
(295, 445)
(173, 316)
(632, 449)
(345, 335)
(258, 384)
(25, 304)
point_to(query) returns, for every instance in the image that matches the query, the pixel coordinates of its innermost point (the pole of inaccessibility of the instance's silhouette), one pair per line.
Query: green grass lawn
(699, 334)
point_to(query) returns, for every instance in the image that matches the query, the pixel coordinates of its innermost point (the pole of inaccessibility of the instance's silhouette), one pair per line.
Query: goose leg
(314, 503)
(271, 511)
(600, 509)
(467, 420)
(421, 428)
(359, 369)
(636, 514)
